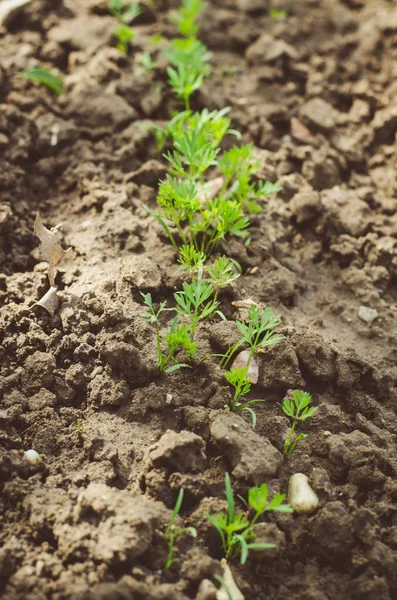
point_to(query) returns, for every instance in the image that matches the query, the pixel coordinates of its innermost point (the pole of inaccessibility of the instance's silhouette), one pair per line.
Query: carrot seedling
(237, 529)
(124, 13)
(44, 77)
(172, 531)
(256, 333)
(297, 409)
(177, 338)
(187, 56)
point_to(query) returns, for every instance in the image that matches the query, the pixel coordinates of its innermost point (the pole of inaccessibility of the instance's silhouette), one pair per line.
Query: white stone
(367, 314)
(300, 495)
(32, 457)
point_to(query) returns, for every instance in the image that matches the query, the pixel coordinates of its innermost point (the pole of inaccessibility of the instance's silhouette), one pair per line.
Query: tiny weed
(236, 529)
(172, 531)
(297, 409)
(124, 13)
(44, 77)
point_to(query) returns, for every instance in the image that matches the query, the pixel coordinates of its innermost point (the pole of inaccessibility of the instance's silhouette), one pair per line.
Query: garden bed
(315, 91)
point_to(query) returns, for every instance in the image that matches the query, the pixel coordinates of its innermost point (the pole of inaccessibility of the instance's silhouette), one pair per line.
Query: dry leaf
(50, 246)
(231, 585)
(49, 301)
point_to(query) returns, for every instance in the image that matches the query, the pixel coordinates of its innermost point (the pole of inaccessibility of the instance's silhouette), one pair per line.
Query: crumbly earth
(315, 92)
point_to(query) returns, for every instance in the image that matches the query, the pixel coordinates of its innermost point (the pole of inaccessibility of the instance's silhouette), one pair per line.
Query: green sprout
(178, 337)
(297, 409)
(186, 17)
(146, 61)
(191, 211)
(194, 303)
(237, 529)
(44, 77)
(256, 333)
(124, 13)
(188, 56)
(278, 14)
(80, 429)
(172, 531)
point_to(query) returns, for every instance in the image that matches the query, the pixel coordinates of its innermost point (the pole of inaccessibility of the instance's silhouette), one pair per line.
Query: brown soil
(316, 93)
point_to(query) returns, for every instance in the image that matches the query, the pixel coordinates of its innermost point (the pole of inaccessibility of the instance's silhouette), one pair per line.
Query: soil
(315, 92)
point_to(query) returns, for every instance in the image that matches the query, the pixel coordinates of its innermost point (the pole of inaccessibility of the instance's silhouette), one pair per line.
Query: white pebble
(32, 457)
(300, 495)
(367, 314)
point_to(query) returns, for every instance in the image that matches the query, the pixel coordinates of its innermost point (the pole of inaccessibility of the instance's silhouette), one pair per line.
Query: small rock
(267, 49)
(32, 457)
(38, 371)
(140, 272)
(94, 107)
(319, 113)
(305, 205)
(148, 174)
(182, 452)
(252, 457)
(367, 314)
(300, 495)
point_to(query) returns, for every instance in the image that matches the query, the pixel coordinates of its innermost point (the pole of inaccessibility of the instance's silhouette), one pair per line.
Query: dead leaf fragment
(49, 301)
(50, 246)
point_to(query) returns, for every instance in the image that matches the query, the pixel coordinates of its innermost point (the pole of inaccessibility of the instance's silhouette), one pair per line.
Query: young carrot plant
(124, 13)
(297, 409)
(188, 56)
(177, 338)
(192, 210)
(237, 529)
(256, 333)
(172, 531)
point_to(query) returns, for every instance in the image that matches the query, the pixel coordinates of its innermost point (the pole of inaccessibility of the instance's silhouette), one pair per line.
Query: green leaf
(44, 77)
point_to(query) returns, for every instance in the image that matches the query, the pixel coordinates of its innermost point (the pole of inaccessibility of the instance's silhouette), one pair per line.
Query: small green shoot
(257, 332)
(124, 13)
(188, 56)
(172, 531)
(297, 409)
(236, 529)
(80, 429)
(44, 77)
(194, 302)
(177, 338)
(274, 13)
(146, 62)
